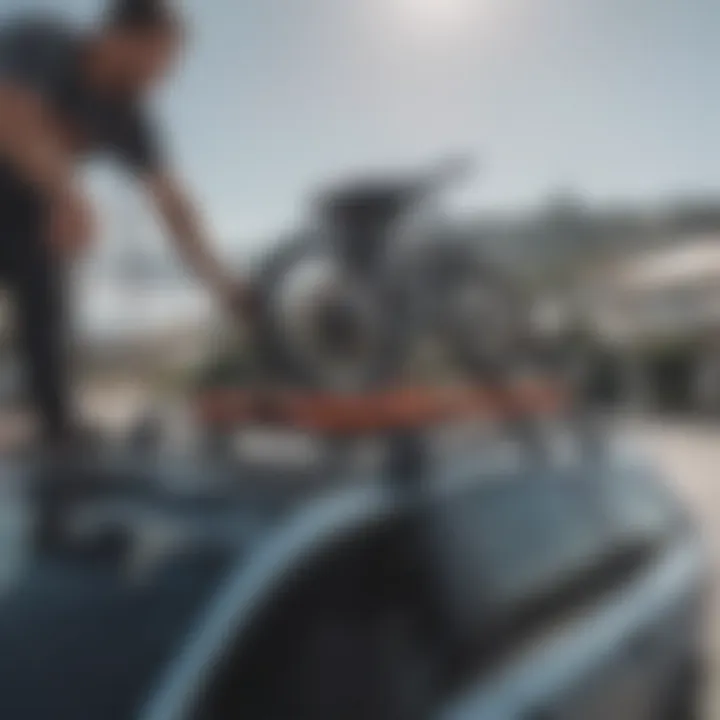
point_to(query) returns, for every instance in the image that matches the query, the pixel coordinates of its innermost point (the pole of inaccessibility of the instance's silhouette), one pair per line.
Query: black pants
(34, 277)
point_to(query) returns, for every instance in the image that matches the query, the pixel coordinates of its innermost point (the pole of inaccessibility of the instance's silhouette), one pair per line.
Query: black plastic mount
(407, 459)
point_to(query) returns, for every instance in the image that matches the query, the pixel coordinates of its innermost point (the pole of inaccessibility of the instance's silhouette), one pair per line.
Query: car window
(643, 509)
(515, 539)
(84, 642)
(328, 639)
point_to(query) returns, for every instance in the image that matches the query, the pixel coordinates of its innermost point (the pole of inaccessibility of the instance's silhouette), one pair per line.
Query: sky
(616, 98)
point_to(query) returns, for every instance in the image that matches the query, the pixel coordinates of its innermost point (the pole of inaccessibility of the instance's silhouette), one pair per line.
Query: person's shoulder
(40, 29)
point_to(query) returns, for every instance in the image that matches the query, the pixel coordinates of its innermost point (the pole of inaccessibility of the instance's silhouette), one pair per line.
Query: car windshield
(84, 636)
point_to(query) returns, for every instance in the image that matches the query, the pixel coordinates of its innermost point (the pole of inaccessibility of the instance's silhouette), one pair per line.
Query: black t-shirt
(46, 57)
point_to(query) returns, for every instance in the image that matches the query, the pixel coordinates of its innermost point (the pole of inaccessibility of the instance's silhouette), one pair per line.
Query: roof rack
(402, 417)
(403, 409)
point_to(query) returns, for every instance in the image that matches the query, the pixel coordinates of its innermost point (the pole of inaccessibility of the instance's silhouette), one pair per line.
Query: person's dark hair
(142, 15)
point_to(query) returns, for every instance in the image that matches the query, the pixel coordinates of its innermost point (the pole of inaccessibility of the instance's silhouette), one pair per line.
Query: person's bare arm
(184, 224)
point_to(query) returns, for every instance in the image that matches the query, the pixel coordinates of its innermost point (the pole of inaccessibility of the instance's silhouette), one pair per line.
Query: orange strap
(406, 408)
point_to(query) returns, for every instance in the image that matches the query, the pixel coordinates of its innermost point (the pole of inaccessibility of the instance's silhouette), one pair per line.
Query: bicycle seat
(377, 201)
(384, 199)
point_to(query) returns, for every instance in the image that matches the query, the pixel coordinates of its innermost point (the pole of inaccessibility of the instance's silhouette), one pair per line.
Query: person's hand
(70, 222)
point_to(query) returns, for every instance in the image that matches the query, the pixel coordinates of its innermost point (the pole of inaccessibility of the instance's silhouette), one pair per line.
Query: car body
(483, 588)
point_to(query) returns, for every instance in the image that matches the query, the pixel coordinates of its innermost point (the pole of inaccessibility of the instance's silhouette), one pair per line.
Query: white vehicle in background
(659, 313)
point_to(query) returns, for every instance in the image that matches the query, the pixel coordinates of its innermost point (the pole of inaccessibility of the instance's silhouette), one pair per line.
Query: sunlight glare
(435, 15)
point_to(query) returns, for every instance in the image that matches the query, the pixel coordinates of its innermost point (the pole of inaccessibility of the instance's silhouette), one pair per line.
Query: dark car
(479, 588)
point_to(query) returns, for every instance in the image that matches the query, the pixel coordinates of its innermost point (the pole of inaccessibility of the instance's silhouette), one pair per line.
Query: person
(66, 92)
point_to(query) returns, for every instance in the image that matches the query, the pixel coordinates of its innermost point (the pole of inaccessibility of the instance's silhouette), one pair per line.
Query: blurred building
(659, 310)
